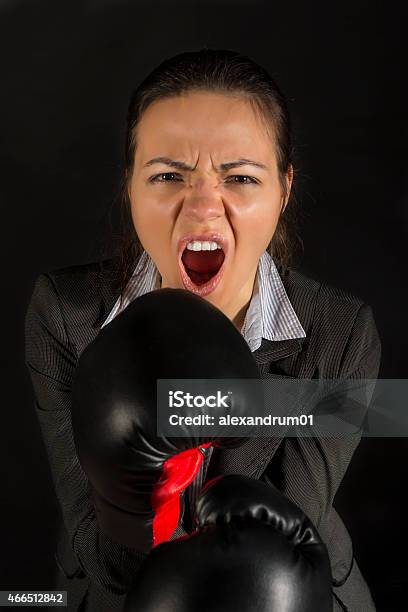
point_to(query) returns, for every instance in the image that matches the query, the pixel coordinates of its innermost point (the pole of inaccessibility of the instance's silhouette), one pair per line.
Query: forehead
(200, 122)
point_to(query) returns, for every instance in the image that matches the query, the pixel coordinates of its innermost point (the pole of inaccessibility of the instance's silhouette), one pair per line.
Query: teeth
(197, 245)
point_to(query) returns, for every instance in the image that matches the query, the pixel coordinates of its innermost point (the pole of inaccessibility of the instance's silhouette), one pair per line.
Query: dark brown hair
(221, 71)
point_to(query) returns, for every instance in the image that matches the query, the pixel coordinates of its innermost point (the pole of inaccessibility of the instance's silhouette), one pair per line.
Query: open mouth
(201, 265)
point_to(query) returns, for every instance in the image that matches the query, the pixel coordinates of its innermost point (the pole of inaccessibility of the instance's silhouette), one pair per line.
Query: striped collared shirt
(270, 315)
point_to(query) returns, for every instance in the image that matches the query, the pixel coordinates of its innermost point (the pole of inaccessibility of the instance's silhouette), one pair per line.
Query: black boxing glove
(137, 477)
(259, 553)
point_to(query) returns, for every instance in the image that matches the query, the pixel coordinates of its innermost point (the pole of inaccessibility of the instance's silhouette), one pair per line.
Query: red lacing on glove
(178, 473)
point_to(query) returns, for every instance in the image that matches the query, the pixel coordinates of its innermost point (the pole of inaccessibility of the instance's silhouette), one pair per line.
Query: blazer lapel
(270, 351)
(108, 287)
(252, 457)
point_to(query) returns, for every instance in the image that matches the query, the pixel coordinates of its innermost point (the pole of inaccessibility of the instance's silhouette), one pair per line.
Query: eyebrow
(221, 168)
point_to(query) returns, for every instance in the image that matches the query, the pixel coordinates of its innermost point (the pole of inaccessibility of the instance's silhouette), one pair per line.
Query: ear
(289, 181)
(127, 182)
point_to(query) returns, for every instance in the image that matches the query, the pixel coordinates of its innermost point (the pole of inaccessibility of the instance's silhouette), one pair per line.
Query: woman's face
(205, 172)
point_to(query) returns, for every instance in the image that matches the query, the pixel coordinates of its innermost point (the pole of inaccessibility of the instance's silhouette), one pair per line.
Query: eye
(242, 179)
(165, 177)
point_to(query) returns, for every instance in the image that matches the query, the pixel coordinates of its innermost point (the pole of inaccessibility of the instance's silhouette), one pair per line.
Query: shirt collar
(145, 278)
(270, 314)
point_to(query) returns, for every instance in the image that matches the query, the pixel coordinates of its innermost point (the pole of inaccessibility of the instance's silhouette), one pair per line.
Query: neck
(236, 312)
(239, 319)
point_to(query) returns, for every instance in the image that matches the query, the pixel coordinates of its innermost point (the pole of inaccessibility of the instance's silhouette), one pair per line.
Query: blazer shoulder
(340, 325)
(81, 293)
(79, 272)
(304, 288)
(324, 309)
(80, 280)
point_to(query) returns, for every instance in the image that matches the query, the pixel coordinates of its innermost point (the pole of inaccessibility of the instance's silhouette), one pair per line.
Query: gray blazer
(66, 310)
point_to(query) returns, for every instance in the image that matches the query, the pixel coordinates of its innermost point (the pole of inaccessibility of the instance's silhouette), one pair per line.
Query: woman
(207, 188)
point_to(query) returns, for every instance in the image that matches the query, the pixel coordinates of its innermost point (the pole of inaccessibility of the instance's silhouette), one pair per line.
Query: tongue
(202, 265)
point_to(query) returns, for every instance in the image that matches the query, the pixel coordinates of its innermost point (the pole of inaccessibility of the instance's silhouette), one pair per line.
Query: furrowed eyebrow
(168, 162)
(241, 162)
(221, 168)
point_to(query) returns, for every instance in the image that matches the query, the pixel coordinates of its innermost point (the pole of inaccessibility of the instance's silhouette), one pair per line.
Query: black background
(67, 70)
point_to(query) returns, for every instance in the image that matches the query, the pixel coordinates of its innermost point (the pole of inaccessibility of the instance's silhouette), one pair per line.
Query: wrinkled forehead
(204, 125)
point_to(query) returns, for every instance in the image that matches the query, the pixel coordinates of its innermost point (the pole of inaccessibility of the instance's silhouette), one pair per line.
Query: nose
(203, 201)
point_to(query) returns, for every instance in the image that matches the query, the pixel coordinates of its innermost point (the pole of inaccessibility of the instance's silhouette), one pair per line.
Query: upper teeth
(197, 245)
